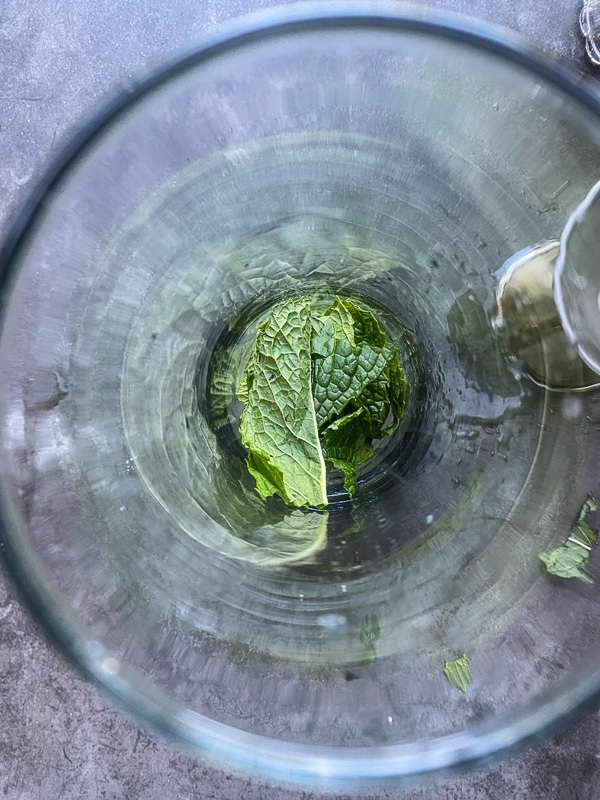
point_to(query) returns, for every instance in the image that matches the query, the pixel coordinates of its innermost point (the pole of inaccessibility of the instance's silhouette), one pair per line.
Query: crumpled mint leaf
(376, 403)
(341, 421)
(366, 327)
(459, 672)
(343, 373)
(397, 394)
(338, 318)
(588, 507)
(242, 392)
(566, 561)
(346, 447)
(278, 424)
(356, 384)
(570, 559)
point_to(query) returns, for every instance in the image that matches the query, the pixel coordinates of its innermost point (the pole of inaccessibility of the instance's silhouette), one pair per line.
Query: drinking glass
(385, 154)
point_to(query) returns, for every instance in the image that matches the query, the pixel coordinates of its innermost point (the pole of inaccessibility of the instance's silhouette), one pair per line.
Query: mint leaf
(366, 327)
(570, 559)
(320, 383)
(242, 392)
(397, 394)
(278, 424)
(343, 373)
(376, 403)
(459, 672)
(566, 562)
(340, 320)
(339, 422)
(346, 447)
(587, 508)
(369, 633)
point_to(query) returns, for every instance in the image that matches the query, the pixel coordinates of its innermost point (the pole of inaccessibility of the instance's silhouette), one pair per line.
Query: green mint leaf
(588, 507)
(279, 424)
(376, 402)
(369, 633)
(343, 374)
(397, 394)
(341, 321)
(322, 341)
(337, 318)
(388, 392)
(346, 446)
(459, 672)
(582, 535)
(339, 422)
(366, 327)
(570, 559)
(242, 392)
(352, 387)
(567, 561)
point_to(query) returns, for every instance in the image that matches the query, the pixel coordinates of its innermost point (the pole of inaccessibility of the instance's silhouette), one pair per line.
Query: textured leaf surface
(343, 374)
(366, 327)
(376, 403)
(341, 321)
(567, 561)
(459, 672)
(346, 447)
(278, 424)
(397, 394)
(570, 559)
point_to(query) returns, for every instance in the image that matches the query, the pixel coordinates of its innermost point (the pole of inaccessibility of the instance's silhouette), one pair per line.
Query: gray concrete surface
(58, 737)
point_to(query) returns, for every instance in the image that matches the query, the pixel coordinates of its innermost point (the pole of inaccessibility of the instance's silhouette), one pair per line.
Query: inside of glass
(396, 169)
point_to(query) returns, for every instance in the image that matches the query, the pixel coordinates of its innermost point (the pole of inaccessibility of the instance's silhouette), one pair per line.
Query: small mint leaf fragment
(566, 562)
(459, 672)
(588, 507)
(397, 393)
(570, 559)
(369, 633)
(366, 327)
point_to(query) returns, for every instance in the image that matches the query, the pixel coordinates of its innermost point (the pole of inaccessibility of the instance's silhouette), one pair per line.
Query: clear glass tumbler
(388, 155)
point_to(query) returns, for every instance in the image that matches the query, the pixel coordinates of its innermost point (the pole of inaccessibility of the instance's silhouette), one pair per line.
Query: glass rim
(328, 767)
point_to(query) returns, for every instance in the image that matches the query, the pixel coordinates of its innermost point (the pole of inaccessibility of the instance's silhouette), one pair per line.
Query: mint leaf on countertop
(278, 424)
(570, 559)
